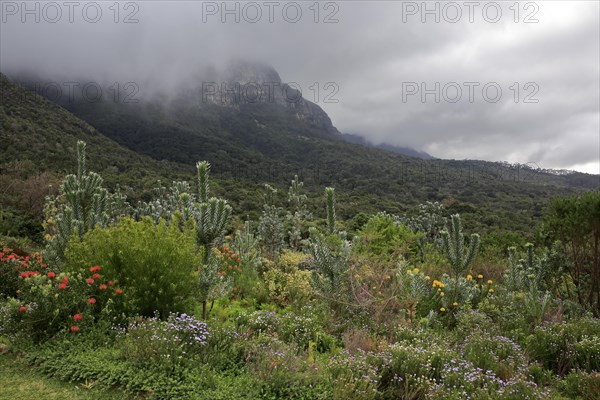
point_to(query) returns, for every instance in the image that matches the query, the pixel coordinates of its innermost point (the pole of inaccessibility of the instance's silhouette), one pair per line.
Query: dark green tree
(575, 222)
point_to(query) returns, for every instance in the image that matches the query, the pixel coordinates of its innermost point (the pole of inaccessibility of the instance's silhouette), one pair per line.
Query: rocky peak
(251, 83)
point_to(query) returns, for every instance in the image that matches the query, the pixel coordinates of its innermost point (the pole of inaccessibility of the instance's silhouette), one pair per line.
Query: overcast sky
(375, 58)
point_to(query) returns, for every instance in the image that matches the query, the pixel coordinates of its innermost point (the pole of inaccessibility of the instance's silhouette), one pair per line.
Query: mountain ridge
(251, 144)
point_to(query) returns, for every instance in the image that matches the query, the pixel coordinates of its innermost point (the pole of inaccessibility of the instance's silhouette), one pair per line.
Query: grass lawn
(20, 382)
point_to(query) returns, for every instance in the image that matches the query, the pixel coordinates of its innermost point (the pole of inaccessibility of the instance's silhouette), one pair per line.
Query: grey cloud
(369, 54)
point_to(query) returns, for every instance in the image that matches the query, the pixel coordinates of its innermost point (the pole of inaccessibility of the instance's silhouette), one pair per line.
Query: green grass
(20, 382)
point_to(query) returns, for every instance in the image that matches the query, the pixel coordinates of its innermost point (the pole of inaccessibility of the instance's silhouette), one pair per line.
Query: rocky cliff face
(244, 83)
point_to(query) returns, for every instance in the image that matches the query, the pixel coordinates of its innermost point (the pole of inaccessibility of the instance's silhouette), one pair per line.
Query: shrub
(566, 346)
(578, 384)
(386, 240)
(461, 379)
(497, 354)
(163, 344)
(260, 321)
(225, 349)
(47, 303)
(354, 376)
(283, 371)
(286, 284)
(11, 264)
(407, 372)
(299, 329)
(155, 264)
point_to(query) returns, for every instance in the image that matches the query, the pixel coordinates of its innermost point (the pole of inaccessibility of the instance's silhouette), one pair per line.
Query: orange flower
(74, 328)
(110, 283)
(51, 275)
(77, 317)
(95, 268)
(102, 287)
(62, 286)
(118, 291)
(90, 281)
(22, 309)
(91, 300)
(96, 276)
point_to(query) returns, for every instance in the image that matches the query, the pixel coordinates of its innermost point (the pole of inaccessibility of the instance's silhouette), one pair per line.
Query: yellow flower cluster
(469, 277)
(437, 284)
(479, 276)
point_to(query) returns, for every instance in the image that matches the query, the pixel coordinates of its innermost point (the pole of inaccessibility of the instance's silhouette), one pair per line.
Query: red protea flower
(102, 287)
(77, 317)
(90, 281)
(118, 291)
(22, 309)
(51, 275)
(91, 300)
(96, 276)
(95, 268)
(74, 328)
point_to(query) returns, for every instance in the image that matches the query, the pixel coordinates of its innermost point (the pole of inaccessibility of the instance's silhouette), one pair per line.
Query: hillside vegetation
(160, 300)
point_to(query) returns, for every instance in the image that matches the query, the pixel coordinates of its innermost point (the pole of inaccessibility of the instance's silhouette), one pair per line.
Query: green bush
(354, 376)
(383, 238)
(11, 265)
(224, 350)
(300, 329)
(566, 346)
(155, 264)
(47, 303)
(582, 385)
(494, 353)
(163, 344)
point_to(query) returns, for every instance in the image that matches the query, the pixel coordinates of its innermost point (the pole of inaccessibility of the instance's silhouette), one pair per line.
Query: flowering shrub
(230, 261)
(408, 371)
(496, 354)
(260, 321)
(582, 385)
(299, 329)
(460, 379)
(567, 346)
(284, 371)
(12, 266)
(155, 264)
(47, 302)
(354, 375)
(164, 343)
(286, 288)
(462, 290)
